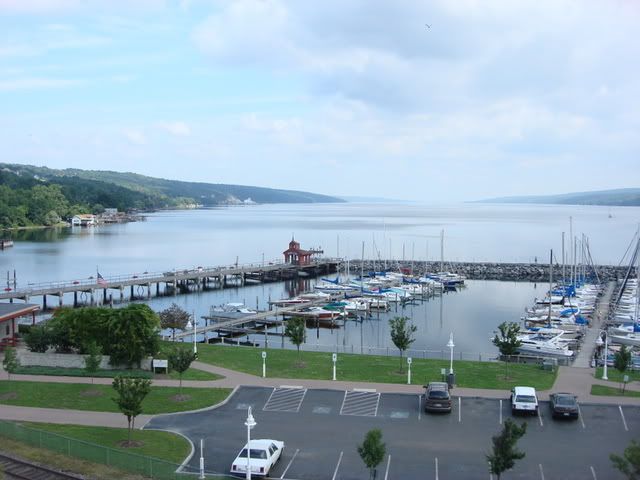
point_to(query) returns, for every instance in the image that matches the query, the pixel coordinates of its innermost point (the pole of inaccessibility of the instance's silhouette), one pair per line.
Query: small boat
(631, 339)
(5, 243)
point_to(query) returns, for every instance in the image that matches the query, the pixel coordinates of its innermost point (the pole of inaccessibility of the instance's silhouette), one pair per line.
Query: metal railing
(139, 464)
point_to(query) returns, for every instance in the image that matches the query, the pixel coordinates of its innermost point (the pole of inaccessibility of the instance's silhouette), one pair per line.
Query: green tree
(38, 338)
(507, 342)
(93, 359)
(622, 360)
(131, 392)
(296, 331)
(629, 462)
(402, 334)
(10, 362)
(180, 359)
(174, 317)
(133, 334)
(505, 454)
(372, 451)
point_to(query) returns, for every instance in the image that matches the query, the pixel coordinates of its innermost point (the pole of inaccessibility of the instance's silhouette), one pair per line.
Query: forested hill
(626, 197)
(32, 195)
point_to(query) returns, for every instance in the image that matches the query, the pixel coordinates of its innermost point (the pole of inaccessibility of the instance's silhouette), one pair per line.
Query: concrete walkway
(583, 359)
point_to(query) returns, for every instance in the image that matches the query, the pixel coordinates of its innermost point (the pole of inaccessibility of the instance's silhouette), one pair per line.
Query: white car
(524, 399)
(264, 455)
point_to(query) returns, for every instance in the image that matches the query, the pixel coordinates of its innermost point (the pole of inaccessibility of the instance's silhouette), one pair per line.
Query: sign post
(335, 359)
(409, 360)
(201, 460)
(264, 364)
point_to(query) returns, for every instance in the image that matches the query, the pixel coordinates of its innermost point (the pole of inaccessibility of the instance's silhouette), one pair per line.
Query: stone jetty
(526, 272)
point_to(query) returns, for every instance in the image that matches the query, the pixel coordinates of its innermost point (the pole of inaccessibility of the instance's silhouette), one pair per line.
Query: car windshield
(438, 394)
(255, 453)
(565, 401)
(526, 399)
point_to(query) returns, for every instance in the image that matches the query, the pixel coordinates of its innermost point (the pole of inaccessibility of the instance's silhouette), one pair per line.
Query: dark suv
(563, 405)
(437, 398)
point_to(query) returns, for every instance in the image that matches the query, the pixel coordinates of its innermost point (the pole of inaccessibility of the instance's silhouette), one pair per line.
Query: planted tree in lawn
(38, 339)
(175, 318)
(131, 392)
(93, 359)
(180, 359)
(507, 342)
(402, 334)
(296, 331)
(622, 360)
(504, 454)
(10, 362)
(629, 462)
(372, 451)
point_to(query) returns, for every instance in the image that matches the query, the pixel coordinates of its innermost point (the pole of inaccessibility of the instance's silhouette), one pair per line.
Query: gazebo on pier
(294, 255)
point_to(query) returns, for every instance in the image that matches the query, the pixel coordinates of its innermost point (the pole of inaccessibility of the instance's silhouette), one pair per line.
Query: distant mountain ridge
(174, 192)
(623, 197)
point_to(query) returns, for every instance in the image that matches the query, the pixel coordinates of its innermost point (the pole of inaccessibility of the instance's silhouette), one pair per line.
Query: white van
(524, 399)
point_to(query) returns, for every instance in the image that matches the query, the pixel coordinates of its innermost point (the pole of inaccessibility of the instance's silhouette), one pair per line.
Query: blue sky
(339, 97)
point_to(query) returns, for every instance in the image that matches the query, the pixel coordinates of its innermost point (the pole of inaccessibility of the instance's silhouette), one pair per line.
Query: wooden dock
(141, 286)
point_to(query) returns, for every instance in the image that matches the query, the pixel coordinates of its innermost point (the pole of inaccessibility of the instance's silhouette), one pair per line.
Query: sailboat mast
(441, 250)
(564, 279)
(550, 283)
(362, 269)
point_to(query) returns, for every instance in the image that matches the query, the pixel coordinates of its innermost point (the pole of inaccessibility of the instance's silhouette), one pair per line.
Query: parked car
(436, 397)
(524, 400)
(264, 454)
(564, 405)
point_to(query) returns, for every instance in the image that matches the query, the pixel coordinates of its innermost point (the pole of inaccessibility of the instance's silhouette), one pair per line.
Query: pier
(95, 291)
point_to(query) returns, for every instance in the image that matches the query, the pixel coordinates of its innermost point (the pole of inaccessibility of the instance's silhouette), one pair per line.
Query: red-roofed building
(297, 256)
(9, 312)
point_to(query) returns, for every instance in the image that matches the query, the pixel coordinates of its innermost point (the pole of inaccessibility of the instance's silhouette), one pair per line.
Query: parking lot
(322, 428)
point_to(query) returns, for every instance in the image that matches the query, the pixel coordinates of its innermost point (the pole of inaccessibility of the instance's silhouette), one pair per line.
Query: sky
(430, 101)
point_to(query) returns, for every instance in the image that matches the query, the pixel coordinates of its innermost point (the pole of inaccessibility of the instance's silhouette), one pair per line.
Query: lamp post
(451, 345)
(189, 327)
(264, 364)
(250, 423)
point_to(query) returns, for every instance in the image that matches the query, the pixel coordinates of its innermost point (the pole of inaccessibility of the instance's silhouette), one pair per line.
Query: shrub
(38, 338)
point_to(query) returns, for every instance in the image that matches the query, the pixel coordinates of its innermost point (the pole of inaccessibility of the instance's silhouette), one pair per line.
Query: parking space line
(541, 471)
(580, 415)
(360, 403)
(593, 472)
(287, 399)
(419, 406)
(624, 422)
(436, 468)
(346, 392)
(500, 421)
(386, 473)
(335, 472)
(375, 414)
(459, 409)
(540, 418)
(290, 462)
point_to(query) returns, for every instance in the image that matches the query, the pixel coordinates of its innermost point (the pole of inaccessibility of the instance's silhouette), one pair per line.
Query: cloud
(39, 83)
(135, 137)
(179, 129)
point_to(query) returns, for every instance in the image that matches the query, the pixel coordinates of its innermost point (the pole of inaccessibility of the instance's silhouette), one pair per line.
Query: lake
(251, 234)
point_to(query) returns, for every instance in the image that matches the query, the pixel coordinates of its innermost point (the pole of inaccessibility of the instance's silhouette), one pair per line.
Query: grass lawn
(615, 376)
(99, 397)
(612, 391)
(370, 368)
(191, 374)
(163, 445)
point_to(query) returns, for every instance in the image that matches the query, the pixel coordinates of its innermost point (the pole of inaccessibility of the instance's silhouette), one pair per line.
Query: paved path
(583, 359)
(570, 379)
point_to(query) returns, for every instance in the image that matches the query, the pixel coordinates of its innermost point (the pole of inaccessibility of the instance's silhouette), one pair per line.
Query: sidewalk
(570, 379)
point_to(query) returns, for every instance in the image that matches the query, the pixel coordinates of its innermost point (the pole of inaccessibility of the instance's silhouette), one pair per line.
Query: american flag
(101, 280)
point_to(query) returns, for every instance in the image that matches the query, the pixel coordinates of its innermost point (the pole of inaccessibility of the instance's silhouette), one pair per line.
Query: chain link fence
(130, 462)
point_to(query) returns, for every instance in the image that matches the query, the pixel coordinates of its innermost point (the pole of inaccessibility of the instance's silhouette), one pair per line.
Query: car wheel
(513, 411)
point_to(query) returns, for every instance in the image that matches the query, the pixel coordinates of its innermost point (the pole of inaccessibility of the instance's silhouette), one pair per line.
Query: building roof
(87, 216)
(15, 310)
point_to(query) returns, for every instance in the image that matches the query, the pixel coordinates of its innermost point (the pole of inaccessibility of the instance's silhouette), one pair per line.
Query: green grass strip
(603, 390)
(99, 398)
(374, 369)
(190, 374)
(163, 445)
(616, 376)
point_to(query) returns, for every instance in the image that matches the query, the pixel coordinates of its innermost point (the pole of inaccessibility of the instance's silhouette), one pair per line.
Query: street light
(250, 423)
(451, 345)
(188, 327)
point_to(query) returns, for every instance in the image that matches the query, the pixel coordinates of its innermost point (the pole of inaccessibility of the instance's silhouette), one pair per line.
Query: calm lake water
(222, 236)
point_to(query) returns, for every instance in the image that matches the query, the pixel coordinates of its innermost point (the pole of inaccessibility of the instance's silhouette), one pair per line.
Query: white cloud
(39, 83)
(179, 129)
(135, 137)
